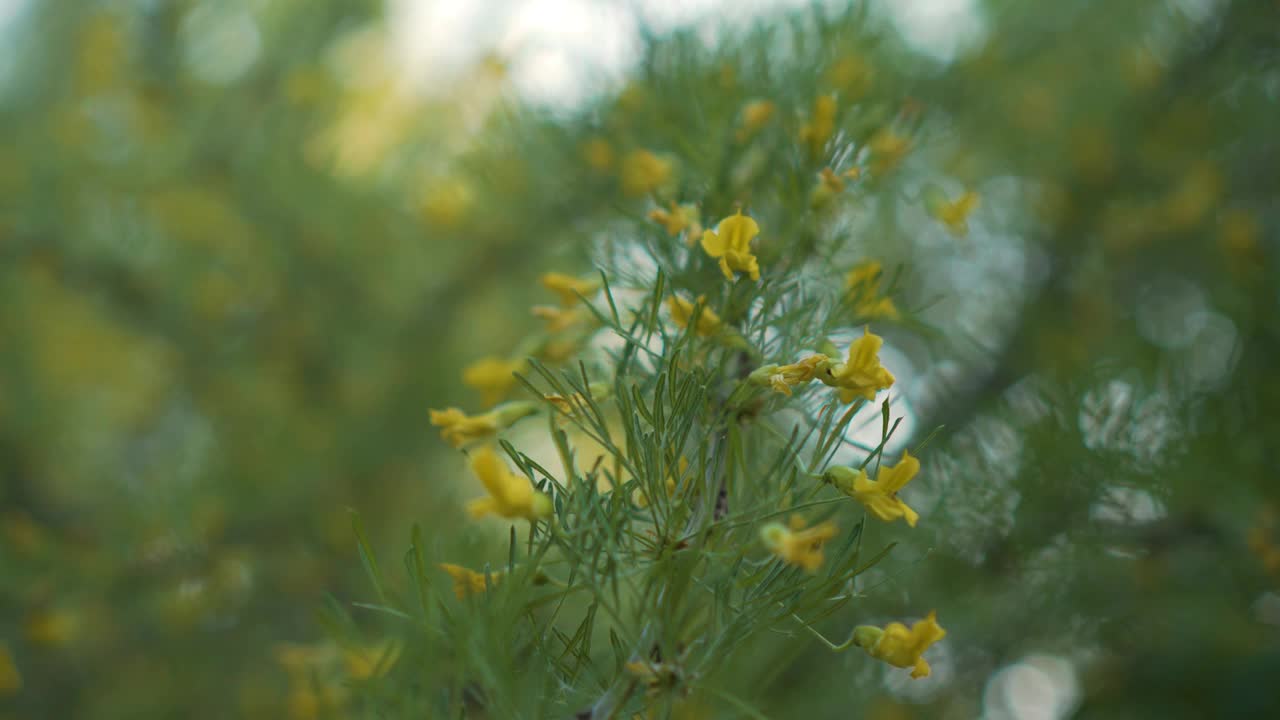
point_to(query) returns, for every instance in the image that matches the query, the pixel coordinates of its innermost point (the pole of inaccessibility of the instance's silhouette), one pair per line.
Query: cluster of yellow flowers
(508, 494)
(859, 376)
(863, 287)
(495, 377)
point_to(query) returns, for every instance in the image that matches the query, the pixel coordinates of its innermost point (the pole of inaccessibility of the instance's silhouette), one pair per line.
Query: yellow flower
(678, 219)
(863, 284)
(731, 244)
(10, 678)
(567, 288)
(880, 496)
(682, 312)
(887, 150)
(493, 377)
(469, 582)
(558, 319)
(510, 495)
(755, 115)
(457, 428)
(955, 213)
(821, 125)
(861, 375)
(796, 545)
(643, 172)
(899, 646)
(784, 377)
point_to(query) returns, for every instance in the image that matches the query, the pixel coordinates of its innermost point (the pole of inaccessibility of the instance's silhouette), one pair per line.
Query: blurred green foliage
(240, 261)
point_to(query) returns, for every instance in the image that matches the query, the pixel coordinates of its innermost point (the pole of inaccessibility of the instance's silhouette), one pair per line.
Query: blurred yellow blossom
(467, 581)
(900, 646)
(510, 495)
(318, 673)
(731, 244)
(682, 312)
(567, 288)
(821, 125)
(830, 184)
(830, 180)
(755, 115)
(304, 703)
(880, 496)
(493, 377)
(861, 375)
(457, 428)
(558, 319)
(298, 659)
(887, 150)
(558, 350)
(863, 285)
(678, 219)
(955, 213)
(643, 172)
(796, 545)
